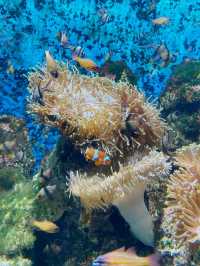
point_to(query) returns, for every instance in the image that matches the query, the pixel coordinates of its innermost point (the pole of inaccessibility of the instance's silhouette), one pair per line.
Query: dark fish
(47, 192)
(76, 50)
(162, 54)
(37, 95)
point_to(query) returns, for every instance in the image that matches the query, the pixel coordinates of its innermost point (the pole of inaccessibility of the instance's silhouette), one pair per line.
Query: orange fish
(86, 63)
(46, 226)
(97, 156)
(122, 257)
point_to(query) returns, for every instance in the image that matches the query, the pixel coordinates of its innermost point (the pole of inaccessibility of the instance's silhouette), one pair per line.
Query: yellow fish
(122, 257)
(86, 63)
(46, 226)
(10, 68)
(160, 21)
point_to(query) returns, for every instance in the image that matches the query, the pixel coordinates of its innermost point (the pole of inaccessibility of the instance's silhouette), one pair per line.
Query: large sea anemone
(124, 189)
(93, 109)
(183, 193)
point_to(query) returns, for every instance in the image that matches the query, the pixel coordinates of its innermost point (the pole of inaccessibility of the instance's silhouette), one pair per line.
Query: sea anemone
(89, 109)
(124, 189)
(183, 193)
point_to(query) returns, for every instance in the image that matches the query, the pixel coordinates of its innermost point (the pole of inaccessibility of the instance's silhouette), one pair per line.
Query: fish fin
(97, 69)
(154, 260)
(93, 68)
(122, 249)
(131, 250)
(111, 253)
(98, 162)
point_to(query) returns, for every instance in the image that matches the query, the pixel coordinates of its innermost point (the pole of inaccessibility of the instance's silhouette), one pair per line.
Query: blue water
(28, 28)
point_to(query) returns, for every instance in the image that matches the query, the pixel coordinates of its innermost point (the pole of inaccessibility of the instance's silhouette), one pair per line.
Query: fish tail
(154, 260)
(95, 69)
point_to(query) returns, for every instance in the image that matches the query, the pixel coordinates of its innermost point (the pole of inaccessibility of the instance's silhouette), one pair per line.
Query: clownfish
(86, 63)
(99, 157)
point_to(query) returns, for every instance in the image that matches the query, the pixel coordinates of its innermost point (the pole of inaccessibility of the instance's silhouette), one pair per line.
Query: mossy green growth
(16, 211)
(19, 206)
(187, 72)
(180, 103)
(117, 68)
(8, 177)
(17, 261)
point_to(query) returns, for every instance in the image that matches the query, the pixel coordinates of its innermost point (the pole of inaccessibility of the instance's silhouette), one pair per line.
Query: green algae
(187, 72)
(8, 177)
(17, 261)
(16, 208)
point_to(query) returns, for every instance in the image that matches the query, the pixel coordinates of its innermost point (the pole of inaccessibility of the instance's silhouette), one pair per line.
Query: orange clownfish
(86, 63)
(97, 156)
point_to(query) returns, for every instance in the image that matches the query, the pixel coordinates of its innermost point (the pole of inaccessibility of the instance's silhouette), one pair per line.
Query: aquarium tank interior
(99, 133)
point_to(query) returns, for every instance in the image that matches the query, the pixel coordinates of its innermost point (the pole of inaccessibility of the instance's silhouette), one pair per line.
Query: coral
(16, 211)
(50, 206)
(8, 177)
(14, 146)
(181, 221)
(180, 103)
(91, 109)
(125, 189)
(18, 261)
(20, 204)
(186, 72)
(117, 69)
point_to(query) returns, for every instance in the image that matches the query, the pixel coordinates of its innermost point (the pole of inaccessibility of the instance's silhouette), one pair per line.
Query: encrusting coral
(181, 220)
(20, 205)
(16, 206)
(124, 189)
(180, 102)
(93, 109)
(17, 261)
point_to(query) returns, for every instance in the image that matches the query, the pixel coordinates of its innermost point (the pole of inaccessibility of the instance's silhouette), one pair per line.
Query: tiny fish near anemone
(46, 226)
(86, 63)
(97, 156)
(76, 50)
(122, 257)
